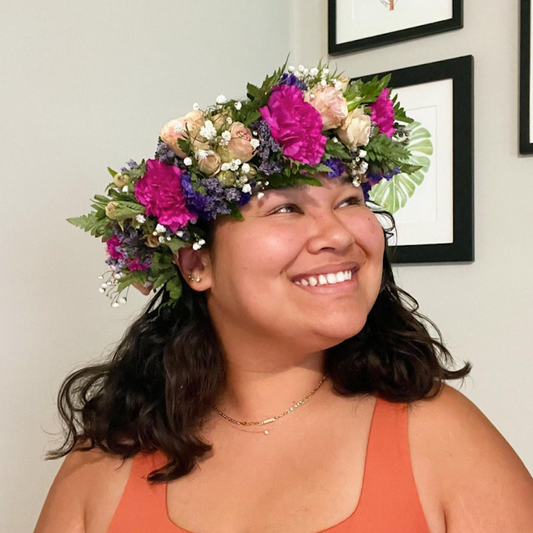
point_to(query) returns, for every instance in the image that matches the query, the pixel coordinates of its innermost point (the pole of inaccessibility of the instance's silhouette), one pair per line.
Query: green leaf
(336, 150)
(112, 172)
(125, 210)
(173, 287)
(140, 276)
(393, 195)
(101, 199)
(85, 222)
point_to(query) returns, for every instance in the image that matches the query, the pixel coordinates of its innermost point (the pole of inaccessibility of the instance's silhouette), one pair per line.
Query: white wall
(85, 85)
(484, 308)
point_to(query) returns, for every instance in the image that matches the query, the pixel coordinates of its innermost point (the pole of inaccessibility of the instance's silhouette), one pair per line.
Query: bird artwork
(389, 3)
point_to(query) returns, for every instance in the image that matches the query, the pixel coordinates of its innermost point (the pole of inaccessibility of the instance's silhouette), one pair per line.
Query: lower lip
(337, 288)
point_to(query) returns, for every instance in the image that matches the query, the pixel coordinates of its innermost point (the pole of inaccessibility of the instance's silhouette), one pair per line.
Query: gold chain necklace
(274, 418)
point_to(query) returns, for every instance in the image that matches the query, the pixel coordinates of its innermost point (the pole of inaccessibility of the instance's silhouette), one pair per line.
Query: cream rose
(152, 241)
(331, 105)
(240, 146)
(177, 129)
(355, 130)
(120, 179)
(208, 162)
(111, 210)
(218, 120)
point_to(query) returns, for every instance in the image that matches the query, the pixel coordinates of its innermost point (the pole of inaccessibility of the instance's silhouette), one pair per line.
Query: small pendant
(266, 431)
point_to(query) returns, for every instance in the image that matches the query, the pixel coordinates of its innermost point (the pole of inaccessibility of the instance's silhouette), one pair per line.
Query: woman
(279, 381)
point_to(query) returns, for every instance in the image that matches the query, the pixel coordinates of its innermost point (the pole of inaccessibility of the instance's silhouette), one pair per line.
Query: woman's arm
(483, 485)
(84, 494)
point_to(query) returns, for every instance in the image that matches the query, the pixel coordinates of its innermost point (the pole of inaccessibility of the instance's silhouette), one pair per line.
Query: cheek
(369, 234)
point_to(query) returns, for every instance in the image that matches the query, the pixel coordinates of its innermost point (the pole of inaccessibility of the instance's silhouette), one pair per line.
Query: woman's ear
(195, 267)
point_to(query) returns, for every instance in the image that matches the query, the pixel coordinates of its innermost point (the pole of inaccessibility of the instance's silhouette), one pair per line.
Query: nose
(328, 232)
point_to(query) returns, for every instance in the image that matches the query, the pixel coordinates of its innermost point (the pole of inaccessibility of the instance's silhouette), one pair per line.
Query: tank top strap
(389, 489)
(143, 505)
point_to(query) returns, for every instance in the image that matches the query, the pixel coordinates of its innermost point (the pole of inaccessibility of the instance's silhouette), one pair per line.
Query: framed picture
(361, 24)
(433, 208)
(526, 80)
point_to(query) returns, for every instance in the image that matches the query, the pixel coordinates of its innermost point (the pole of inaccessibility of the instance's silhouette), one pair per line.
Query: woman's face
(269, 271)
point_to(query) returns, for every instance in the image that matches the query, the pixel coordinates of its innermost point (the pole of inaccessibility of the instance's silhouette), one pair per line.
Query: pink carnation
(160, 191)
(294, 124)
(383, 113)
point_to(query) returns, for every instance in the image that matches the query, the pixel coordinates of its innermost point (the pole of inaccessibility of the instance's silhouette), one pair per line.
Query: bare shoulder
(481, 483)
(84, 494)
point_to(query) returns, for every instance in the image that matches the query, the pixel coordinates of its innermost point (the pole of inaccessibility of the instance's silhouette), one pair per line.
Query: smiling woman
(279, 379)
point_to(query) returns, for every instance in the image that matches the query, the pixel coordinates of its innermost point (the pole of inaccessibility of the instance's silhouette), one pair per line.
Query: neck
(266, 383)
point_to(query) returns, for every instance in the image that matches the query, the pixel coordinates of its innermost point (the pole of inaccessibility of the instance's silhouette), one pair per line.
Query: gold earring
(193, 279)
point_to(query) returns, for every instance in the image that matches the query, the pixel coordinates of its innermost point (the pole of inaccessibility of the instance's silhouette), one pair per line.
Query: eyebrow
(345, 180)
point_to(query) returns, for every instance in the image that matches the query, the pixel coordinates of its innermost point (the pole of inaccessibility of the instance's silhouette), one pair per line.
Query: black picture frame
(526, 141)
(334, 48)
(461, 71)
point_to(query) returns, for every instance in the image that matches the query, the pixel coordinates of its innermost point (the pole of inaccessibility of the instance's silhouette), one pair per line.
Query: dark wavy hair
(158, 387)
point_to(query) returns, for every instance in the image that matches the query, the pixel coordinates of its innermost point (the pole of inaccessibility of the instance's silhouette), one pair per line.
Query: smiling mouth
(324, 280)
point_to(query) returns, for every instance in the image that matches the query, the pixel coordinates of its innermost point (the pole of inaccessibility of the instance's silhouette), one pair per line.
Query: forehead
(333, 184)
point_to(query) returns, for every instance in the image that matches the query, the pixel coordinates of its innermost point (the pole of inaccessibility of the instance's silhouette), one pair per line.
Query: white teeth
(326, 279)
(332, 278)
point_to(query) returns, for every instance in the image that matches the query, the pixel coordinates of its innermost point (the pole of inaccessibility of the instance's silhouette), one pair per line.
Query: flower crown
(210, 162)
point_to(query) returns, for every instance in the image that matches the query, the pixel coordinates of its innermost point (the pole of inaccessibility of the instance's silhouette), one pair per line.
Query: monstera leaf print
(393, 194)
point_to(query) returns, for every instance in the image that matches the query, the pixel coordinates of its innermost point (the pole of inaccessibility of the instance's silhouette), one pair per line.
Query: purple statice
(337, 167)
(215, 199)
(165, 154)
(375, 177)
(291, 79)
(366, 190)
(268, 149)
(126, 249)
(130, 165)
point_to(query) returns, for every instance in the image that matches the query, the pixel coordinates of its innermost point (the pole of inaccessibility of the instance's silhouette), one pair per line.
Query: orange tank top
(389, 501)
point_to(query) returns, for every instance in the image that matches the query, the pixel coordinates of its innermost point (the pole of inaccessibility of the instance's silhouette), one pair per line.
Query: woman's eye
(353, 200)
(287, 208)
(291, 208)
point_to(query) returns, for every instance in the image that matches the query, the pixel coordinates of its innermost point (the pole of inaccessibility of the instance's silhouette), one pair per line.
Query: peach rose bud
(240, 146)
(208, 162)
(331, 105)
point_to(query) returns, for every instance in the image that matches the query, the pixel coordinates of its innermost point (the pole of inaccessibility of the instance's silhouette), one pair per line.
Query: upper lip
(327, 269)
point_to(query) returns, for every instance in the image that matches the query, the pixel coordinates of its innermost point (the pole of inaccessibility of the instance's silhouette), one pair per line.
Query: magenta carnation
(112, 244)
(160, 191)
(135, 264)
(294, 124)
(383, 113)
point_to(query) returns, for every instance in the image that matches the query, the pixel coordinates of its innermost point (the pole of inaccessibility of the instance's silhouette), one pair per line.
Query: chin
(332, 333)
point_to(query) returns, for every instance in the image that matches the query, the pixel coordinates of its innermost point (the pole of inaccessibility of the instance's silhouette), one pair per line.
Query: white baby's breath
(221, 99)
(187, 161)
(208, 130)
